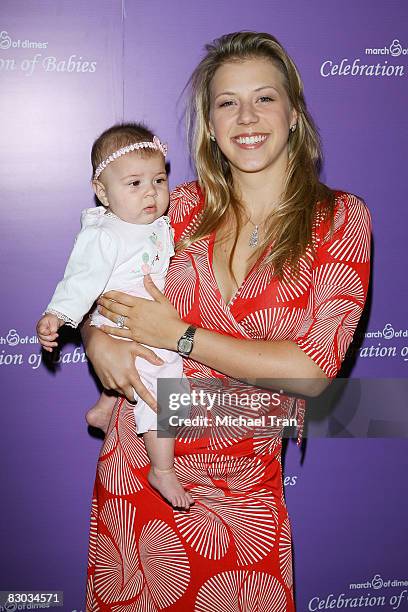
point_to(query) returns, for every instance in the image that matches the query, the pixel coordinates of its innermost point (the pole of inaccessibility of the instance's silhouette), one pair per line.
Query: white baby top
(110, 254)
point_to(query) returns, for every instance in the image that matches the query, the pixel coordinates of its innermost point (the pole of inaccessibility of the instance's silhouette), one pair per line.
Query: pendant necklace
(254, 237)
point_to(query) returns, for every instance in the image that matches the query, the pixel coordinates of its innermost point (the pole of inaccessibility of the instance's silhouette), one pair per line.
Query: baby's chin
(145, 216)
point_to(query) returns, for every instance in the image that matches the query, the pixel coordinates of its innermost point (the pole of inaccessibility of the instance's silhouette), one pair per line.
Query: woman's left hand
(153, 322)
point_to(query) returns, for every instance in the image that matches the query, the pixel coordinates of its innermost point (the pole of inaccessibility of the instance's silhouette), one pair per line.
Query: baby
(121, 241)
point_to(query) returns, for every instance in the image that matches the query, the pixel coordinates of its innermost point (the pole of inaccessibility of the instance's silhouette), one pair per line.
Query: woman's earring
(293, 128)
(212, 137)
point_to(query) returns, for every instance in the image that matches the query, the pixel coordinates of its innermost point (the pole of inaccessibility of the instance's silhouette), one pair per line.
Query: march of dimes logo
(363, 67)
(369, 598)
(390, 342)
(395, 49)
(37, 61)
(18, 350)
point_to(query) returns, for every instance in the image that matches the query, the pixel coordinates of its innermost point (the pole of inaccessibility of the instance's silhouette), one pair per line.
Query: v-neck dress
(232, 550)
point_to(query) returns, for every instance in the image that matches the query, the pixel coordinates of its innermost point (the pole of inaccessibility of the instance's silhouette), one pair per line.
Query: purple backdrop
(68, 70)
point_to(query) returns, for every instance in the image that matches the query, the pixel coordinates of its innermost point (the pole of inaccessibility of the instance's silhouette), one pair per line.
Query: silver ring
(120, 321)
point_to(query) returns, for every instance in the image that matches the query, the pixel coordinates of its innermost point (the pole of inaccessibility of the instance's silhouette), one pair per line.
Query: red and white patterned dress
(232, 551)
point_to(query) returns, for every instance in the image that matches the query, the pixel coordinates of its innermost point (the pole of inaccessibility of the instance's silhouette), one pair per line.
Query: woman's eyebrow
(225, 93)
(233, 93)
(267, 87)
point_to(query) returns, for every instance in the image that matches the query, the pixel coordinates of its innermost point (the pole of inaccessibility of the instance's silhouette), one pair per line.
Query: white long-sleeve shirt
(110, 253)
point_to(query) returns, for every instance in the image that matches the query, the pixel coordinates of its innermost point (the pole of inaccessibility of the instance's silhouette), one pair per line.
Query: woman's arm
(114, 363)
(157, 323)
(274, 364)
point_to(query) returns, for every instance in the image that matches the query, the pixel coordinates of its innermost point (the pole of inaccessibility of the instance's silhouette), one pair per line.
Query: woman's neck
(259, 192)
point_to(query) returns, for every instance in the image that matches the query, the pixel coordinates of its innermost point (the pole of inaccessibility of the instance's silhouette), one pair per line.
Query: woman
(270, 277)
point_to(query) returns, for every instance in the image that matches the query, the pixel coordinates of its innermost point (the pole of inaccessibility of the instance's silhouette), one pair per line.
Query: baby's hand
(47, 328)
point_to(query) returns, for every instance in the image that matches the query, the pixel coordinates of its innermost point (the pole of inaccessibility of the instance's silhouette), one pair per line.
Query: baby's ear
(100, 192)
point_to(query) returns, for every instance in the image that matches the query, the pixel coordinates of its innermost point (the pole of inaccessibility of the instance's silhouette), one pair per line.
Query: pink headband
(155, 144)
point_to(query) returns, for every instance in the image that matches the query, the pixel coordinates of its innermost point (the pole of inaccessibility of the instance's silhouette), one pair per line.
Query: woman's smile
(250, 141)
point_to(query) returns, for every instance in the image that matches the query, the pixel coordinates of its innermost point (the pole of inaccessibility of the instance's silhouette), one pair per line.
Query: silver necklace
(254, 237)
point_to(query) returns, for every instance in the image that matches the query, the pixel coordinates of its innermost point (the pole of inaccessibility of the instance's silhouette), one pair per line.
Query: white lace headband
(155, 144)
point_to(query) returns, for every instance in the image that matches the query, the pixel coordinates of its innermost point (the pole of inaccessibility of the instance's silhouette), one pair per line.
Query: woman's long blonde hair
(289, 226)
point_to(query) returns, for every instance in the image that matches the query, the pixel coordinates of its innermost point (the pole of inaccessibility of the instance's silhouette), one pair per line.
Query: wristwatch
(186, 342)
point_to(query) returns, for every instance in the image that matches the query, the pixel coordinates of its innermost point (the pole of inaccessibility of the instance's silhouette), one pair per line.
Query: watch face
(185, 345)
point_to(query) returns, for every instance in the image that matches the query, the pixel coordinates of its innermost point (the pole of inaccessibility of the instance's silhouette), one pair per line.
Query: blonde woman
(268, 282)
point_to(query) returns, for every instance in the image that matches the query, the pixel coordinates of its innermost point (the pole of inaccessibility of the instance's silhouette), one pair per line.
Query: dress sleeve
(340, 277)
(186, 201)
(88, 270)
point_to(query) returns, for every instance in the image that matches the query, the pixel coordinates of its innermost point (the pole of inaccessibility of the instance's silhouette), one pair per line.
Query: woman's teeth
(248, 140)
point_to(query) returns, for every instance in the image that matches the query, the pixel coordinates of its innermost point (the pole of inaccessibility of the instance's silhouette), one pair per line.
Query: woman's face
(250, 115)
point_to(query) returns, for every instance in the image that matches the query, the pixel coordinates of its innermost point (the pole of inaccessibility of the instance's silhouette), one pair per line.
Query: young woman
(268, 282)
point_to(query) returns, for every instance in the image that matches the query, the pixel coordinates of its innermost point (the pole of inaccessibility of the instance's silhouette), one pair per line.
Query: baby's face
(136, 187)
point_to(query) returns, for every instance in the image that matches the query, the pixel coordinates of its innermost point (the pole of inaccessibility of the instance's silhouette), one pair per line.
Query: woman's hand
(154, 322)
(114, 363)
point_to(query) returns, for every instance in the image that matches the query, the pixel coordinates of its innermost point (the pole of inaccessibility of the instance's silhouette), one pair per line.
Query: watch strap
(189, 333)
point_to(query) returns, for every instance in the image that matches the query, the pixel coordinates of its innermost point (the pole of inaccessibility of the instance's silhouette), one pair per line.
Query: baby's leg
(162, 475)
(100, 414)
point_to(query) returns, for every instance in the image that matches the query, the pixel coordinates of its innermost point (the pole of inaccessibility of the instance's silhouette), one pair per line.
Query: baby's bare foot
(99, 416)
(167, 483)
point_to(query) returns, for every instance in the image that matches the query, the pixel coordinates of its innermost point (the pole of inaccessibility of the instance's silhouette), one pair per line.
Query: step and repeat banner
(69, 70)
